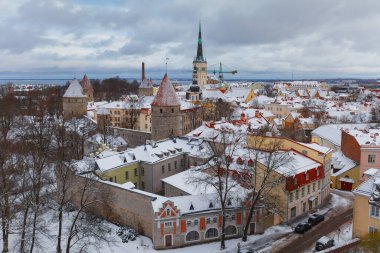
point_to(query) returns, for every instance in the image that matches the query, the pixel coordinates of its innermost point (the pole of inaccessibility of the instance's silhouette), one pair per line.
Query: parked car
(323, 243)
(315, 219)
(302, 227)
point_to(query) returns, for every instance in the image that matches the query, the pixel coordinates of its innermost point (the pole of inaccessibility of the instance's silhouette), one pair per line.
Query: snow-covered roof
(115, 161)
(371, 172)
(317, 147)
(341, 162)
(181, 181)
(74, 90)
(164, 149)
(166, 95)
(196, 203)
(368, 186)
(365, 137)
(298, 164)
(102, 111)
(146, 84)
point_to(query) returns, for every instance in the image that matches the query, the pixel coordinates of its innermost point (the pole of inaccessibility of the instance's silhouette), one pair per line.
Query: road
(301, 243)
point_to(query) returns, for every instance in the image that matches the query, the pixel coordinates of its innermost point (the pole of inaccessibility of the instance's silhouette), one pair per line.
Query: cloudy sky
(261, 38)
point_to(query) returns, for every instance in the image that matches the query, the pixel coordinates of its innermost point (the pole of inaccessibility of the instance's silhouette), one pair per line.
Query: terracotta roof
(166, 95)
(85, 83)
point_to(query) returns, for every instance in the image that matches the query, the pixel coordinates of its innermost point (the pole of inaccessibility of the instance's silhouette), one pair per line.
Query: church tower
(200, 64)
(166, 114)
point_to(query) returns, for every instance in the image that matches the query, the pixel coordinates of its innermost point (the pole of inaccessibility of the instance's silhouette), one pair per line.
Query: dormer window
(229, 202)
(210, 205)
(191, 206)
(168, 212)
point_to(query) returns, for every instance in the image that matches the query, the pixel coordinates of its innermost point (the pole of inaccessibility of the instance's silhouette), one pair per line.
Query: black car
(315, 219)
(302, 227)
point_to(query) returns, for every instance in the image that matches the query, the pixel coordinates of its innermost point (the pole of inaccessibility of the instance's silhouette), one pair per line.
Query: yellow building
(366, 215)
(119, 168)
(314, 151)
(345, 173)
(250, 96)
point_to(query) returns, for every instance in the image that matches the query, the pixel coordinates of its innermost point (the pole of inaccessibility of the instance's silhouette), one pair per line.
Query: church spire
(199, 50)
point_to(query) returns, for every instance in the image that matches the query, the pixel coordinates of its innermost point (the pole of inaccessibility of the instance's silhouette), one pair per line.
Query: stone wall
(132, 137)
(113, 203)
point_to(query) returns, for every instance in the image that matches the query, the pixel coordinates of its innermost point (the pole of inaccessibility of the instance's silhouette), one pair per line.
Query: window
(371, 158)
(307, 177)
(304, 152)
(169, 167)
(168, 224)
(208, 220)
(295, 181)
(314, 187)
(231, 230)
(192, 236)
(181, 162)
(168, 212)
(163, 169)
(233, 217)
(126, 175)
(308, 189)
(143, 185)
(142, 172)
(372, 230)
(160, 110)
(215, 220)
(188, 223)
(135, 172)
(297, 194)
(211, 233)
(196, 222)
(172, 110)
(375, 211)
(303, 192)
(304, 207)
(291, 197)
(293, 212)
(319, 185)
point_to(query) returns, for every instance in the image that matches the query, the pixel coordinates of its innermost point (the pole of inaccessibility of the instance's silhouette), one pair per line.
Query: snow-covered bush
(127, 234)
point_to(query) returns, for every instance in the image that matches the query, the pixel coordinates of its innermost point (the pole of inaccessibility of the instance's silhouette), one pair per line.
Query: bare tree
(218, 174)
(264, 159)
(85, 232)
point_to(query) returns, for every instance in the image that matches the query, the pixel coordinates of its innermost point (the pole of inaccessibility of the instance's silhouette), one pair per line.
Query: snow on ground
(142, 244)
(341, 235)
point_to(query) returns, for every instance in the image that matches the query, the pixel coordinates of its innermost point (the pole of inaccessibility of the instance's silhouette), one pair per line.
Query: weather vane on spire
(166, 65)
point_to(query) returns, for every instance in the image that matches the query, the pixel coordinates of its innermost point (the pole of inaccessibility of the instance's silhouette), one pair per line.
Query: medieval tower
(166, 114)
(74, 101)
(146, 85)
(200, 64)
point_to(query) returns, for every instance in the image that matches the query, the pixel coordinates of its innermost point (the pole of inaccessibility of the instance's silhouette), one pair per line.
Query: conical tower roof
(74, 90)
(86, 84)
(166, 95)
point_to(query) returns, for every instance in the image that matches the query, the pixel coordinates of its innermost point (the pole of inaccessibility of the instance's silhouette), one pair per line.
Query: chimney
(142, 71)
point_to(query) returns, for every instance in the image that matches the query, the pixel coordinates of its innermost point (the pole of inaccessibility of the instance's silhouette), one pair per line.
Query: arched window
(212, 233)
(231, 230)
(192, 236)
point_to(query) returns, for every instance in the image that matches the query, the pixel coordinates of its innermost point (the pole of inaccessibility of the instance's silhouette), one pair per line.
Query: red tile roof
(166, 95)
